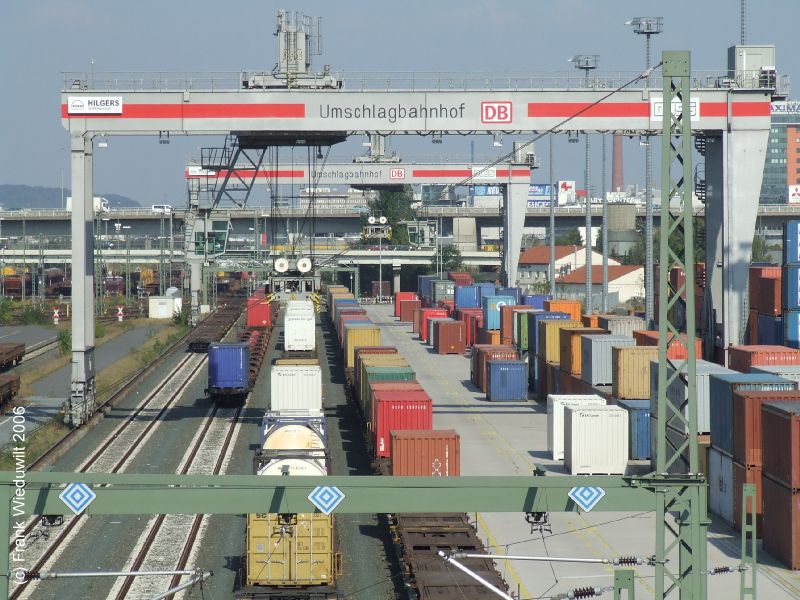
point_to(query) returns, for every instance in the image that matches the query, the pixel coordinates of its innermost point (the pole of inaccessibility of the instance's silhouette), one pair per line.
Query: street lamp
(648, 26)
(587, 63)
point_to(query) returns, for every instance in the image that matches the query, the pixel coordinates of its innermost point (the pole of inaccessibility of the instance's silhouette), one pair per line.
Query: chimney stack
(617, 179)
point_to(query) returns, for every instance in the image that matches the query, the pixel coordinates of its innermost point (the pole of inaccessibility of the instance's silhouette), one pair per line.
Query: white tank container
(720, 484)
(595, 440)
(555, 418)
(295, 387)
(312, 464)
(299, 334)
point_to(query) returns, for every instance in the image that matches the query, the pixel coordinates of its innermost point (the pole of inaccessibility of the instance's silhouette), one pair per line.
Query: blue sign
(539, 189)
(77, 496)
(326, 498)
(485, 190)
(586, 497)
(538, 203)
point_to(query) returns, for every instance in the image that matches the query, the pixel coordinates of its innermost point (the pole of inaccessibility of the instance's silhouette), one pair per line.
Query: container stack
(790, 292)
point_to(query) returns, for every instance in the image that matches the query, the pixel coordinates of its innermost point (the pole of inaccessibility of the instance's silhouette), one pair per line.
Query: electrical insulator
(587, 592)
(627, 560)
(720, 571)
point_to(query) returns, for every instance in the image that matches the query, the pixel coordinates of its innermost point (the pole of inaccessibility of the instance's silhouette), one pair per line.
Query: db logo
(396, 173)
(495, 112)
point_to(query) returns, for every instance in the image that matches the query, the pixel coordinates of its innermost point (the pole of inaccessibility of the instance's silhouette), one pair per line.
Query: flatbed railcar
(9, 387)
(214, 327)
(11, 353)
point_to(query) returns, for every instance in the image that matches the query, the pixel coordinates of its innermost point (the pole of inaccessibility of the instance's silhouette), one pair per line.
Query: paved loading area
(509, 439)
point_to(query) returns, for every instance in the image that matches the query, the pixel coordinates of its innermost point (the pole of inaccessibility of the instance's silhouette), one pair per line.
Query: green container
(381, 374)
(521, 330)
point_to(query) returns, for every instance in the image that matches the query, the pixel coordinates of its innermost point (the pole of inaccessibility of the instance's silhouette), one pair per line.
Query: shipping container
(432, 322)
(638, 428)
(481, 354)
(383, 373)
(621, 324)
(467, 296)
(770, 300)
(507, 318)
(754, 476)
(385, 386)
(791, 328)
(491, 309)
(533, 327)
(424, 315)
(781, 522)
(756, 275)
(400, 297)
(790, 372)
(569, 343)
(507, 381)
(514, 292)
(299, 331)
(790, 288)
(451, 337)
(392, 411)
(361, 353)
(676, 392)
(163, 307)
(549, 346)
(747, 425)
(355, 336)
(630, 371)
(595, 440)
(536, 300)
(293, 430)
(228, 368)
(596, 357)
(258, 312)
(720, 484)
(424, 288)
(770, 330)
(721, 388)
(591, 321)
(780, 450)
(442, 290)
(752, 326)
(295, 387)
(555, 418)
(427, 453)
(472, 322)
(348, 318)
(490, 337)
(571, 307)
(791, 242)
(407, 308)
(742, 358)
(676, 349)
(676, 439)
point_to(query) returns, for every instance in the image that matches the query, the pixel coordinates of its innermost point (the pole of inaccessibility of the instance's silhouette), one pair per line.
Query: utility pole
(648, 26)
(552, 223)
(587, 63)
(604, 233)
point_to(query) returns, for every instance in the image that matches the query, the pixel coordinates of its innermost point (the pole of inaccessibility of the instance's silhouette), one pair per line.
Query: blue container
(533, 328)
(491, 309)
(467, 296)
(486, 289)
(770, 330)
(508, 381)
(790, 287)
(791, 328)
(791, 242)
(424, 287)
(720, 390)
(533, 370)
(228, 368)
(514, 292)
(536, 300)
(638, 428)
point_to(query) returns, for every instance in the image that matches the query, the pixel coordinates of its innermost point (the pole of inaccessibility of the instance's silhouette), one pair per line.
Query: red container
(780, 427)
(677, 277)
(451, 337)
(435, 452)
(741, 358)
(507, 322)
(483, 353)
(259, 312)
(677, 349)
(398, 410)
(399, 297)
(752, 326)
(742, 475)
(407, 308)
(415, 318)
(387, 386)
(424, 315)
(756, 275)
(747, 423)
(781, 522)
(425, 334)
(474, 321)
(769, 298)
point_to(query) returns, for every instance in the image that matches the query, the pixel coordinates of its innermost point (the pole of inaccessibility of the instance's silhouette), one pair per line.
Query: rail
(134, 81)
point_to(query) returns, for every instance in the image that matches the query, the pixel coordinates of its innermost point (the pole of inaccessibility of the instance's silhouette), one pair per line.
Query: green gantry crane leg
(747, 581)
(681, 521)
(623, 582)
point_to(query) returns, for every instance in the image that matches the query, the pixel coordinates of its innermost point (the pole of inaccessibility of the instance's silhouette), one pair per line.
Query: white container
(720, 484)
(677, 391)
(205, 309)
(621, 324)
(596, 357)
(595, 440)
(295, 387)
(299, 306)
(292, 436)
(790, 372)
(555, 418)
(161, 307)
(299, 333)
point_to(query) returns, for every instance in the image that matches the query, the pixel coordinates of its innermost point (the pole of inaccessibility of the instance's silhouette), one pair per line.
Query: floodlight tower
(648, 26)
(587, 63)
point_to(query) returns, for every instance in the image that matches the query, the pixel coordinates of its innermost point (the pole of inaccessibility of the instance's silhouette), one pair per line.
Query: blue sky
(43, 38)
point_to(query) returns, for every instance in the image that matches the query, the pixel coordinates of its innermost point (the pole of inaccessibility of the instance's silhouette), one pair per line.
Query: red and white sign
(397, 173)
(566, 192)
(55, 315)
(794, 194)
(120, 313)
(496, 112)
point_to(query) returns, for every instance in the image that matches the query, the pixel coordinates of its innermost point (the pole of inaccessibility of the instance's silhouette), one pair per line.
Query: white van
(162, 208)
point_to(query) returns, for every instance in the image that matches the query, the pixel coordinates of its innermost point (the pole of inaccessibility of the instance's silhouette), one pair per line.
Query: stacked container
(467, 296)
(571, 307)
(570, 347)
(407, 308)
(491, 309)
(399, 297)
(596, 357)
(630, 370)
(555, 418)
(620, 324)
(742, 358)
(638, 427)
(595, 440)
(536, 300)
(507, 381)
(481, 355)
(676, 350)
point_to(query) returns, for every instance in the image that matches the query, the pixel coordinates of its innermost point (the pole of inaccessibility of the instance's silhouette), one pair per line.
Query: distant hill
(26, 196)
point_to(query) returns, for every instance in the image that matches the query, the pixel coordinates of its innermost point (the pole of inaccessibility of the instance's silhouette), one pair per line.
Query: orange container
(677, 348)
(741, 358)
(426, 453)
(571, 307)
(590, 320)
(487, 336)
(507, 321)
(407, 308)
(483, 353)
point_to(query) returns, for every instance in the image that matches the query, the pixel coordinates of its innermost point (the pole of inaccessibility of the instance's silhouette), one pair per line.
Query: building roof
(614, 272)
(540, 255)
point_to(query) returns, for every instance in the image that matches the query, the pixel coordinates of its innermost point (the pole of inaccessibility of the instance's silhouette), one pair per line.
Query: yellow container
(359, 336)
(291, 550)
(297, 361)
(630, 370)
(549, 338)
(569, 343)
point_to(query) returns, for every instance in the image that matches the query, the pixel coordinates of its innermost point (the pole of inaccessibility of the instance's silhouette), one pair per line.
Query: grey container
(677, 392)
(621, 324)
(790, 372)
(596, 357)
(443, 290)
(432, 330)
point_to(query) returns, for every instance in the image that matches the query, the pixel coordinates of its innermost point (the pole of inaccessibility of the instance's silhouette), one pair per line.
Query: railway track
(40, 349)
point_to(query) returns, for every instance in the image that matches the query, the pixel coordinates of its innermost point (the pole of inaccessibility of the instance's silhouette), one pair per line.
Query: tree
(451, 259)
(572, 237)
(395, 205)
(636, 255)
(760, 250)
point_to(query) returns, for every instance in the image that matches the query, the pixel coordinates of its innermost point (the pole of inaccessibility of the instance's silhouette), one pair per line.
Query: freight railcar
(9, 387)
(11, 353)
(228, 370)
